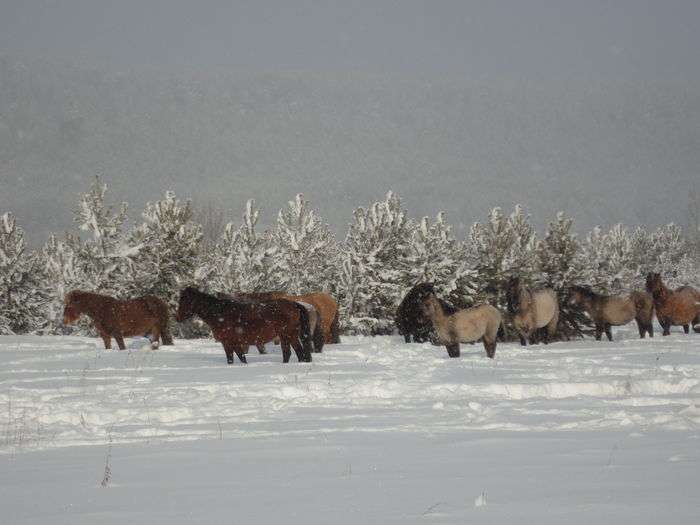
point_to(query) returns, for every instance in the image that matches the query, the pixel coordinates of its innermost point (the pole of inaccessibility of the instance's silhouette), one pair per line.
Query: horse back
(473, 323)
(619, 310)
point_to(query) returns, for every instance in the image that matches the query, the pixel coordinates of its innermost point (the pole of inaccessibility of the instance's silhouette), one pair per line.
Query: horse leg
(686, 328)
(666, 325)
(261, 348)
(650, 328)
(608, 331)
(154, 337)
(490, 348)
(107, 340)
(523, 341)
(302, 356)
(407, 338)
(229, 353)
(452, 349)
(286, 351)
(598, 331)
(238, 349)
(120, 340)
(641, 327)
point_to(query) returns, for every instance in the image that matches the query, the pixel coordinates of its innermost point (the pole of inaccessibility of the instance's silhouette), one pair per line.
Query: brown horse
(239, 324)
(146, 315)
(532, 310)
(464, 326)
(614, 310)
(324, 303)
(674, 308)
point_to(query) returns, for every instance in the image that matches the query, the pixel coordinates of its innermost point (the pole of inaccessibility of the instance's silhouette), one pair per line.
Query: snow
(374, 430)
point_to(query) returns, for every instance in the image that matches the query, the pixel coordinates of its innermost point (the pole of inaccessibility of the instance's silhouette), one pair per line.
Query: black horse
(410, 319)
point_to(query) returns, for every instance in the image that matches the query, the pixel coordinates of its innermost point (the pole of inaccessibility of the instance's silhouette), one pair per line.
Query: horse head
(654, 282)
(513, 293)
(71, 307)
(185, 306)
(579, 294)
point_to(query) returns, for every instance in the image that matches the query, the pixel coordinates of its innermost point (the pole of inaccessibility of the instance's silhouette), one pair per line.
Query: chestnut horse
(614, 310)
(324, 303)
(464, 326)
(146, 315)
(674, 308)
(532, 310)
(238, 324)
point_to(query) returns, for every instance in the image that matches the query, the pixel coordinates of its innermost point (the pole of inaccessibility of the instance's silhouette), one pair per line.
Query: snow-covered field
(373, 430)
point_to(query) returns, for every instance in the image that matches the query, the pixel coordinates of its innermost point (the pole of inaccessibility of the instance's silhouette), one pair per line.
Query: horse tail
(160, 309)
(502, 332)
(305, 331)
(318, 335)
(335, 327)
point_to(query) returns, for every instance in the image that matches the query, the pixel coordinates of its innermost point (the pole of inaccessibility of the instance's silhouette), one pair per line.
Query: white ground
(373, 430)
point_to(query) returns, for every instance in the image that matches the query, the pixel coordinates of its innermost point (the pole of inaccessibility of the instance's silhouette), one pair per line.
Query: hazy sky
(640, 143)
(530, 38)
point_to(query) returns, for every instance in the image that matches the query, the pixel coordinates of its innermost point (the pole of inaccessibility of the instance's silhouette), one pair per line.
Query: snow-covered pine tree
(669, 254)
(23, 290)
(242, 258)
(560, 266)
(501, 248)
(375, 273)
(306, 250)
(164, 252)
(435, 256)
(61, 273)
(609, 260)
(100, 260)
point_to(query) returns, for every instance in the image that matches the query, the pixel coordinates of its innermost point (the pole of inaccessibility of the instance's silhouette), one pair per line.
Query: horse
(680, 307)
(315, 319)
(410, 319)
(614, 310)
(464, 326)
(239, 324)
(532, 310)
(324, 303)
(114, 318)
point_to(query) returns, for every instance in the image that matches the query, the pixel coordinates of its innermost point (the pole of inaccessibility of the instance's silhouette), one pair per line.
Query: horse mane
(77, 295)
(656, 286)
(584, 290)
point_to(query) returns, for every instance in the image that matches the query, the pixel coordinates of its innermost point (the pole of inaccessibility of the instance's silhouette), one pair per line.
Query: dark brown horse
(325, 305)
(146, 315)
(680, 307)
(615, 310)
(238, 324)
(410, 319)
(315, 319)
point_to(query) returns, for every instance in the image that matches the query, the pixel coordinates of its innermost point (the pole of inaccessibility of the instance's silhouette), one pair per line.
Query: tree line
(384, 253)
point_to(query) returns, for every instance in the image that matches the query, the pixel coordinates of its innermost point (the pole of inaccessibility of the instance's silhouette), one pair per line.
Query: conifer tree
(242, 259)
(164, 250)
(23, 291)
(306, 250)
(375, 266)
(100, 258)
(560, 266)
(436, 257)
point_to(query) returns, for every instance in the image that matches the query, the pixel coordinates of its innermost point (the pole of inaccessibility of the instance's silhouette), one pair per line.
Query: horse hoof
(229, 361)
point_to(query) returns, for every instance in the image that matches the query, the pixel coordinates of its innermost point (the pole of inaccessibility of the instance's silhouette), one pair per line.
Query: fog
(588, 107)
